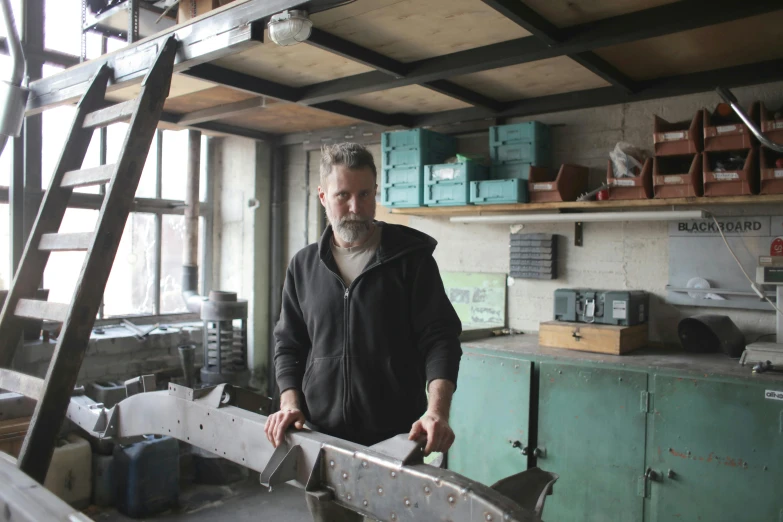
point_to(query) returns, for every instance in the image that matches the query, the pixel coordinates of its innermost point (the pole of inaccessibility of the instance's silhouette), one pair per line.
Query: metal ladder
(53, 393)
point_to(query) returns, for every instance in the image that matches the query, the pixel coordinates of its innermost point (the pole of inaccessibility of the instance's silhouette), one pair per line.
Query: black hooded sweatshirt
(361, 356)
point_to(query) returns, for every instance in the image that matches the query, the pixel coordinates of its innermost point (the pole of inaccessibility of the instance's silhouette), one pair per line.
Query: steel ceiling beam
(756, 73)
(648, 23)
(221, 128)
(339, 46)
(336, 45)
(44, 55)
(236, 28)
(252, 84)
(550, 34)
(221, 111)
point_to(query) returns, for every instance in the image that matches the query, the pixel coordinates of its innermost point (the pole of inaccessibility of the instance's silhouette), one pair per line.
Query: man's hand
(439, 434)
(435, 423)
(277, 423)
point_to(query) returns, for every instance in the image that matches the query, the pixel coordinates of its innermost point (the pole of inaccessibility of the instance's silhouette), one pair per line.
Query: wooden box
(12, 433)
(192, 8)
(599, 338)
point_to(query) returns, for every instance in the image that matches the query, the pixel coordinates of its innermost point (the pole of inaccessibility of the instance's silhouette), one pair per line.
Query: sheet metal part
(388, 482)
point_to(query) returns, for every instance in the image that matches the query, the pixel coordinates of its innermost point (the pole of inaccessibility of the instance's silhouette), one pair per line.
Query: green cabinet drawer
(490, 416)
(591, 431)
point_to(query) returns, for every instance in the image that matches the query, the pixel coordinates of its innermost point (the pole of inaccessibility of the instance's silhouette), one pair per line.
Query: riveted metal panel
(719, 449)
(490, 417)
(592, 429)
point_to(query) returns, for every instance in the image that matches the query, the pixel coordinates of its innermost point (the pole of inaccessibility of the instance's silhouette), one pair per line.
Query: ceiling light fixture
(290, 27)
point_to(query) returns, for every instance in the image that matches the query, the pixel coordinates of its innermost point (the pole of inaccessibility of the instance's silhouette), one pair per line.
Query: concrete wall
(241, 237)
(622, 255)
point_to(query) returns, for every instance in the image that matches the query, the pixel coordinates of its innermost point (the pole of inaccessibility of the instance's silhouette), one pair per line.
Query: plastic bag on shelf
(627, 160)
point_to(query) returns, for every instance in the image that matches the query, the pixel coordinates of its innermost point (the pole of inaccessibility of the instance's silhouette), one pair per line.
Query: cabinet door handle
(652, 475)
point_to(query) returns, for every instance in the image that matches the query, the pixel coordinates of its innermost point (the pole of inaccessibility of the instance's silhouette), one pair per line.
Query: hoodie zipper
(346, 296)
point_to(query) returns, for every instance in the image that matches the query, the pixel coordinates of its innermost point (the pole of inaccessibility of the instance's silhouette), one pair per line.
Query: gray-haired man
(365, 325)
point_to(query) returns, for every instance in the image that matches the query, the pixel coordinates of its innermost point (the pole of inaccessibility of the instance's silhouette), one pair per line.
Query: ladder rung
(66, 242)
(111, 114)
(16, 382)
(35, 309)
(86, 177)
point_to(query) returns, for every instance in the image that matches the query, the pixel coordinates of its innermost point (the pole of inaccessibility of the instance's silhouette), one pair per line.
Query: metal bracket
(578, 233)
(281, 467)
(145, 383)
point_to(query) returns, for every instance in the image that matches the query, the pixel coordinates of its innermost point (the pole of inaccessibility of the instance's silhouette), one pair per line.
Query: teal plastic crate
(519, 170)
(401, 176)
(521, 152)
(498, 191)
(416, 147)
(531, 131)
(451, 172)
(447, 194)
(402, 196)
(521, 142)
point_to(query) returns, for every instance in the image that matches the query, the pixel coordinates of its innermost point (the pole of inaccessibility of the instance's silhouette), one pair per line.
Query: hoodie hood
(396, 240)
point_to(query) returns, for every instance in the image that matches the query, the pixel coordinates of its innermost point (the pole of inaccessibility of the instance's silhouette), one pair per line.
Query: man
(365, 325)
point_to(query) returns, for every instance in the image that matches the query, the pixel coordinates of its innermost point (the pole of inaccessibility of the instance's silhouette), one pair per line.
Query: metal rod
(729, 98)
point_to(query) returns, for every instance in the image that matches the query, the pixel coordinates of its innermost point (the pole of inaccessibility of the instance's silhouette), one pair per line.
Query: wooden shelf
(586, 206)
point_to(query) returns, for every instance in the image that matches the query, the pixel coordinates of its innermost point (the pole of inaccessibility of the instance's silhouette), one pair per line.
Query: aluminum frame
(388, 481)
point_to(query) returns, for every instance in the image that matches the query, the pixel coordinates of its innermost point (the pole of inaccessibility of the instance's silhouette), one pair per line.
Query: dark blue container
(147, 476)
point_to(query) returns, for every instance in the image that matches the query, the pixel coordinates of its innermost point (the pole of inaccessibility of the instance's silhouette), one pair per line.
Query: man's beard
(351, 228)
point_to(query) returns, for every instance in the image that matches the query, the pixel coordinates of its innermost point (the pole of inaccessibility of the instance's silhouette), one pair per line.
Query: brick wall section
(117, 355)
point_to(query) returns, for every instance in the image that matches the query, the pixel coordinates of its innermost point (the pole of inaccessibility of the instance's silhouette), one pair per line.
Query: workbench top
(702, 365)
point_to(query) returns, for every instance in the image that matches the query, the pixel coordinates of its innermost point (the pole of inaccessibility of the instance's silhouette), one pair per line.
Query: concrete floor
(240, 502)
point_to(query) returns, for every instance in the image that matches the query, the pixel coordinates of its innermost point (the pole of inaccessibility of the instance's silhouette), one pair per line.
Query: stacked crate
(676, 168)
(771, 161)
(730, 157)
(514, 149)
(449, 184)
(404, 155)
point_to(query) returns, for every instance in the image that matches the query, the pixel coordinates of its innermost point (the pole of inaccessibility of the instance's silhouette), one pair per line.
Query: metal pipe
(730, 99)
(15, 51)
(276, 273)
(190, 252)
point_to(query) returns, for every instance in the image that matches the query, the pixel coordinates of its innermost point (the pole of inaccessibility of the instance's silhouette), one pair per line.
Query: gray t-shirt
(352, 260)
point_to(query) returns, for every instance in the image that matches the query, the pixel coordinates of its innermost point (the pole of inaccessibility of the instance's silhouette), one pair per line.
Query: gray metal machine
(617, 307)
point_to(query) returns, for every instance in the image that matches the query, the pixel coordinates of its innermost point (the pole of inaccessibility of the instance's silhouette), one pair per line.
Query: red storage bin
(771, 127)
(771, 175)
(731, 182)
(565, 185)
(638, 187)
(678, 138)
(677, 176)
(728, 132)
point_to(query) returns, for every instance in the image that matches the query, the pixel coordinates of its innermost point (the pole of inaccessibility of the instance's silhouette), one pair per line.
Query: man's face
(349, 201)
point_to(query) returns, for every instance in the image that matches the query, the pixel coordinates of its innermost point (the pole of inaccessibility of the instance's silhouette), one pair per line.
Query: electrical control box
(617, 307)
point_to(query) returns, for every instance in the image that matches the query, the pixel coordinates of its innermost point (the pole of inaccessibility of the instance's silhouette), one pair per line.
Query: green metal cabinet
(490, 416)
(630, 442)
(591, 431)
(715, 450)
